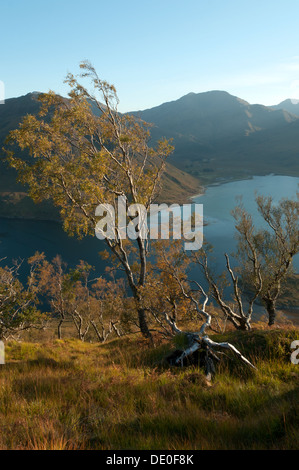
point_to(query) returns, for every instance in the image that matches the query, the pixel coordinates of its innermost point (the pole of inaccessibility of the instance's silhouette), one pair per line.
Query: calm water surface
(22, 238)
(219, 200)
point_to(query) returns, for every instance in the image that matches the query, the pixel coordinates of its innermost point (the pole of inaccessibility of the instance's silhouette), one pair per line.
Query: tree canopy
(83, 153)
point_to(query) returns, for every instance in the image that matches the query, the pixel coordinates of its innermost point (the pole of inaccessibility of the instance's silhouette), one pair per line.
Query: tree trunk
(142, 277)
(245, 325)
(271, 310)
(59, 329)
(143, 323)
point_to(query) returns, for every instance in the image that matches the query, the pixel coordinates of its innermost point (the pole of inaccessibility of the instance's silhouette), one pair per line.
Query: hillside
(14, 201)
(11, 114)
(214, 116)
(292, 106)
(219, 136)
(64, 395)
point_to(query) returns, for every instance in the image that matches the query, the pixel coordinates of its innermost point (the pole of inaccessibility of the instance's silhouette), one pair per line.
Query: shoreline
(202, 189)
(233, 180)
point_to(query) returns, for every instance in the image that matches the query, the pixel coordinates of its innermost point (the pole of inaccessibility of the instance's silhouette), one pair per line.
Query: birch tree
(237, 309)
(266, 255)
(19, 300)
(177, 298)
(84, 153)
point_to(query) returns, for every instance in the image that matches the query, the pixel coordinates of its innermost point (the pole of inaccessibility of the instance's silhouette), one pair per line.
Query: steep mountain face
(217, 135)
(292, 106)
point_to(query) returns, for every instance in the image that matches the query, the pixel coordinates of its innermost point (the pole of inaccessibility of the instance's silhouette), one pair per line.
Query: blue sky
(154, 51)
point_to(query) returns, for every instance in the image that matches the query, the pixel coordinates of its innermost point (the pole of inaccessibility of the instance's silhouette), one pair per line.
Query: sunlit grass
(121, 395)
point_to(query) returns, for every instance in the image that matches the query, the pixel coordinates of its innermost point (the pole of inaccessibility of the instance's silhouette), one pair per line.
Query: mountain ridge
(217, 136)
(290, 105)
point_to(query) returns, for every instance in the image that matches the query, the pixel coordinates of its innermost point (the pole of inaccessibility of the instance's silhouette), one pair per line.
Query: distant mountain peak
(289, 101)
(291, 105)
(217, 93)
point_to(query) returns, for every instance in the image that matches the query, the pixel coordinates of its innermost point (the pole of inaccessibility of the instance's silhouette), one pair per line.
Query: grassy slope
(73, 395)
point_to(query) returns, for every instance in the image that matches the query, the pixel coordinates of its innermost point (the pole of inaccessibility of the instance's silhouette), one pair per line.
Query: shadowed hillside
(219, 136)
(14, 202)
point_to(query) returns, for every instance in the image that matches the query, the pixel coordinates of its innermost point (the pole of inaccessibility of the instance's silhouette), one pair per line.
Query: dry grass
(72, 395)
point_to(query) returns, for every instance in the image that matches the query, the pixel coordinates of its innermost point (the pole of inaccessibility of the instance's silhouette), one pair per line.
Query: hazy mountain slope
(213, 116)
(292, 106)
(217, 135)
